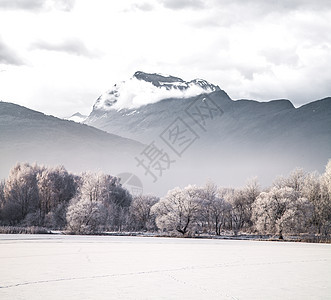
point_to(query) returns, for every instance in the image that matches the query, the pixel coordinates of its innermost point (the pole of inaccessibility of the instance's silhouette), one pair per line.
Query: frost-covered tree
(98, 192)
(141, 217)
(208, 195)
(241, 201)
(240, 209)
(314, 191)
(117, 201)
(252, 190)
(280, 210)
(221, 211)
(327, 177)
(20, 193)
(56, 187)
(57, 219)
(314, 188)
(86, 212)
(214, 209)
(178, 211)
(2, 193)
(296, 180)
(2, 198)
(86, 216)
(325, 200)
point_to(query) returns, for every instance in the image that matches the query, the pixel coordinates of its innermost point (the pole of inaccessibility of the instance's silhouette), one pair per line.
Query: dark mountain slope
(28, 135)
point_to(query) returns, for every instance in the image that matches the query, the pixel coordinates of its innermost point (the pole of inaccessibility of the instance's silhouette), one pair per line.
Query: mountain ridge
(30, 136)
(265, 138)
(232, 139)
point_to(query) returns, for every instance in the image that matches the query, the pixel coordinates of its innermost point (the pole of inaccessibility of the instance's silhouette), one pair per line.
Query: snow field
(105, 267)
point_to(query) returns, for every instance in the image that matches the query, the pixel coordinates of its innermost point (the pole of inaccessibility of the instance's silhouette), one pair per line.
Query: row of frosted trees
(90, 203)
(39, 196)
(300, 203)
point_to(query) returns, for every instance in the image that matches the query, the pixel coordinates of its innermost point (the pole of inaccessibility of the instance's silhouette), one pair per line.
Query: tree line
(54, 198)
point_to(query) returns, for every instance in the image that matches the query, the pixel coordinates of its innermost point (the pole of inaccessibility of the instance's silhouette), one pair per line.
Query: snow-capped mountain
(194, 128)
(231, 140)
(144, 88)
(76, 117)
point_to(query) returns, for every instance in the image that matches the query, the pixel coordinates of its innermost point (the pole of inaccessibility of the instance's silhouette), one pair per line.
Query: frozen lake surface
(99, 267)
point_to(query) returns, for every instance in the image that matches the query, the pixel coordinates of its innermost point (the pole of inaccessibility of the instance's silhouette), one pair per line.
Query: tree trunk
(281, 234)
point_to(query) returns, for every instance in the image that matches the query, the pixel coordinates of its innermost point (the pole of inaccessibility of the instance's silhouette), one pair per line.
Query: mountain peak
(156, 77)
(172, 82)
(146, 88)
(76, 117)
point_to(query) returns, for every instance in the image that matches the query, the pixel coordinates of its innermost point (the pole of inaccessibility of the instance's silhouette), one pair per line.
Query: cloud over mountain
(144, 88)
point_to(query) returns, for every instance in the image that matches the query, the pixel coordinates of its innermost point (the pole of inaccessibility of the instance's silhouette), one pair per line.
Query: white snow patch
(108, 267)
(131, 113)
(77, 119)
(135, 93)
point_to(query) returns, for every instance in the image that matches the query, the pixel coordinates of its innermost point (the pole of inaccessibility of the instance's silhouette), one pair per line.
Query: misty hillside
(200, 131)
(235, 139)
(30, 136)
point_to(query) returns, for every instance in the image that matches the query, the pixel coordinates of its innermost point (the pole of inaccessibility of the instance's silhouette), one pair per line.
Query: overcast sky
(58, 56)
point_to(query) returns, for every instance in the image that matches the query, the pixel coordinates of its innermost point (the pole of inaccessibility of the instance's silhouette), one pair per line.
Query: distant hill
(30, 136)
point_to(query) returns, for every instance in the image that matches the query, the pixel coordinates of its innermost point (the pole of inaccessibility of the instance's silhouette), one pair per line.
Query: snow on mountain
(77, 117)
(144, 88)
(230, 141)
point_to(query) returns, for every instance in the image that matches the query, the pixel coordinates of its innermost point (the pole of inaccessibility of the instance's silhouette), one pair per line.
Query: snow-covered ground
(99, 267)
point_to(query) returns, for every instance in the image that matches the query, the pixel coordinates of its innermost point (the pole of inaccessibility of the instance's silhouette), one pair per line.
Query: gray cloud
(225, 13)
(315, 31)
(296, 4)
(182, 4)
(8, 56)
(281, 56)
(259, 6)
(22, 4)
(249, 71)
(66, 5)
(71, 46)
(143, 6)
(279, 5)
(37, 5)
